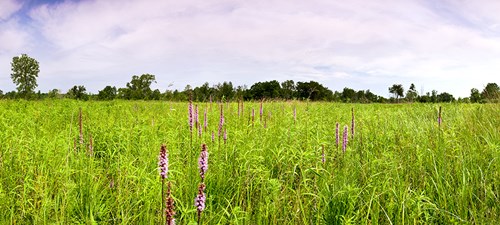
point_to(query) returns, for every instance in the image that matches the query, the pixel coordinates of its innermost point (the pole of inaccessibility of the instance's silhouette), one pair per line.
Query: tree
(225, 90)
(445, 97)
(348, 95)
(412, 94)
(78, 92)
(314, 91)
(139, 87)
(474, 95)
(491, 91)
(24, 73)
(202, 94)
(108, 93)
(288, 89)
(397, 90)
(54, 93)
(268, 89)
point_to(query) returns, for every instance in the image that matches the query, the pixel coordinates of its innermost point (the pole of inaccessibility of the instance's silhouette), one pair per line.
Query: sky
(444, 45)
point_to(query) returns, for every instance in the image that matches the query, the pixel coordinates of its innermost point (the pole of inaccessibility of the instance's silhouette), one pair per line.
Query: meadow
(399, 167)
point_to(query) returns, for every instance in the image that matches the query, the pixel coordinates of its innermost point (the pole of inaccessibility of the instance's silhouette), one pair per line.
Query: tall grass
(400, 167)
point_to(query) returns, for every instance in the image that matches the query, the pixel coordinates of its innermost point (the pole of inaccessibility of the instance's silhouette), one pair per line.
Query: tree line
(25, 71)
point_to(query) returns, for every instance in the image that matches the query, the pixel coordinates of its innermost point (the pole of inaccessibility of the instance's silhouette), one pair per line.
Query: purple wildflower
(163, 162)
(238, 109)
(190, 115)
(344, 142)
(203, 161)
(439, 117)
(294, 114)
(213, 136)
(261, 109)
(225, 136)
(205, 120)
(199, 129)
(337, 134)
(221, 122)
(169, 203)
(200, 200)
(196, 115)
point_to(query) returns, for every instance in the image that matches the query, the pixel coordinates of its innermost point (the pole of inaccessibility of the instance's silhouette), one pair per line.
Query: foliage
(314, 91)
(412, 94)
(24, 73)
(265, 90)
(474, 95)
(78, 92)
(400, 167)
(397, 90)
(491, 92)
(139, 87)
(108, 93)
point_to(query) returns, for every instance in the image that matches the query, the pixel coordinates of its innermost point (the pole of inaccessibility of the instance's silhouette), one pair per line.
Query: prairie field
(400, 166)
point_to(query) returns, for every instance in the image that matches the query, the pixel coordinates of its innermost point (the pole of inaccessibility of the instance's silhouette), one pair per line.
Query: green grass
(400, 168)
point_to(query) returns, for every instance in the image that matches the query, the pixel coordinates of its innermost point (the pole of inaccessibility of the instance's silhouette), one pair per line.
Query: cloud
(8, 8)
(360, 44)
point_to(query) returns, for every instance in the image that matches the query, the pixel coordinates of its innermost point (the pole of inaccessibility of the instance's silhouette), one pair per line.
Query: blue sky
(450, 46)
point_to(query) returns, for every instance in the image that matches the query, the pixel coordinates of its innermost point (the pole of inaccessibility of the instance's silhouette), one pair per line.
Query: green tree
(445, 97)
(268, 89)
(108, 93)
(24, 73)
(78, 92)
(412, 94)
(475, 96)
(314, 91)
(491, 91)
(225, 90)
(288, 89)
(397, 90)
(54, 93)
(348, 95)
(140, 87)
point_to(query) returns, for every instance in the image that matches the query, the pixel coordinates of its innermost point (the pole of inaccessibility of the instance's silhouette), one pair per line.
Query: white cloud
(8, 8)
(361, 44)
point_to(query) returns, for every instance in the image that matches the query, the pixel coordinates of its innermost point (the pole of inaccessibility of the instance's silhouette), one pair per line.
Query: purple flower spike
(190, 116)
(200, 200)
(344, 143)
(163, 162)
(221, 122)
(196, 114)
(439, 117)
(225, 136)
(213, 136)
(205, 120)
(294, 114)
(261, 108)
(203, 161)
(337, 134)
